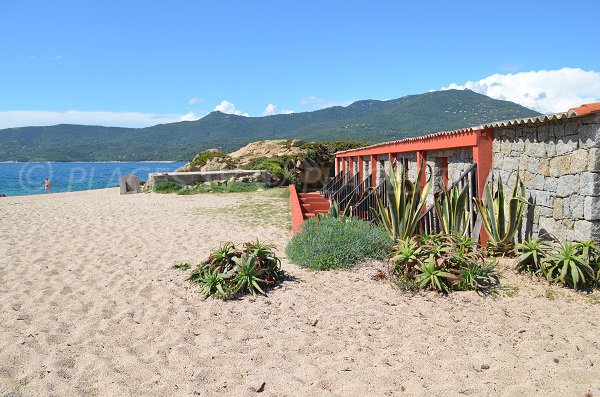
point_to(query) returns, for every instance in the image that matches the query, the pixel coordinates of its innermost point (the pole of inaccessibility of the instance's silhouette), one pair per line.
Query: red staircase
(306, 205)
(313, 204)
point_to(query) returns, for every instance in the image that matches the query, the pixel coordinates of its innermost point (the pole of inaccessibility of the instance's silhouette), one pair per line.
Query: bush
(229, 271)
(443, 263)
(326, 243)
(202, 158)
(229, 187)
(574, 265)
(167, 187)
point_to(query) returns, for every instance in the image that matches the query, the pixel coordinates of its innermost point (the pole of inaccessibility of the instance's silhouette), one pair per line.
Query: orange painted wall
(297, 217)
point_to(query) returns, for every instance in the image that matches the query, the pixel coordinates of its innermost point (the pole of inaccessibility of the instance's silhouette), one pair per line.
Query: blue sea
(19, 179)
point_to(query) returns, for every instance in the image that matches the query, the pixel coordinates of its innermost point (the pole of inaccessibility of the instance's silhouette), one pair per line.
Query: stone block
(535, 149)
(591, 208)
(544, 132)
(543, 199)
(497, 160)
(566, 145)
(558, 212)
(575, 207)
(567, 185)
(129, 184)
(509, 164)
(558, 130)
(579, 161)
(505, 147)
(589, 135)
(544, 167)
(584, 230)
(571, 128)
(590, 183)
(551, 184)
(532, 165)
(560, 165)
(547, 226)
(550, 149)
(594, 160)
(538, 182)
(518, 146)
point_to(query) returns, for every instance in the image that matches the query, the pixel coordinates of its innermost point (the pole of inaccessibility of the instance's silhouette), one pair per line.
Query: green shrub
(326, 243)
(202, 158)
(574, 265)
(229, 187)
(443, 263)
(229, 271)
(167, 187)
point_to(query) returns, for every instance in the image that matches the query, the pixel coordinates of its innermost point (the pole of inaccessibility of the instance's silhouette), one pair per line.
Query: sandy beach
(89, 306)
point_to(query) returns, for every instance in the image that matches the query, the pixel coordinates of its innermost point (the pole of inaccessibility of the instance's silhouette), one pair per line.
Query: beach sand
(89, 306)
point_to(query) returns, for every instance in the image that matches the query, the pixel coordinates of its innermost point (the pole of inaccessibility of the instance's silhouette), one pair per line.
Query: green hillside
(369, 120)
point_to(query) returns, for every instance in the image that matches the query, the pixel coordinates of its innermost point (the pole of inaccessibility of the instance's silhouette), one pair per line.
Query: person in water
(47, 185)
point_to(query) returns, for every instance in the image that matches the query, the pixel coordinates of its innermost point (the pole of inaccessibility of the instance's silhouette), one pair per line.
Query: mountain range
(367, 120)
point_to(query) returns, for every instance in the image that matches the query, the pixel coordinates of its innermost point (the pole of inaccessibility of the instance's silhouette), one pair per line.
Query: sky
(140, 63)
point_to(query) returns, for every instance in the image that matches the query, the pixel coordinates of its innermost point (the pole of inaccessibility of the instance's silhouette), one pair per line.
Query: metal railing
(345, 189)
(364, 207)
(429, 222)
(335, 184)
(356, 194)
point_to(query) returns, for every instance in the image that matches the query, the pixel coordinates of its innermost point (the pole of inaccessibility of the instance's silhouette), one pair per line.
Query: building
(557, 156)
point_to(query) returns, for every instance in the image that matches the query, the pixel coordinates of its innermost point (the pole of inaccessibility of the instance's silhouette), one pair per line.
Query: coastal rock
(2, 195)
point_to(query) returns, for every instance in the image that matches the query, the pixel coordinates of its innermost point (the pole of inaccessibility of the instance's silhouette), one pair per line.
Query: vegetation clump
(202, 158)
(329, 243)
(229, 272)
(574, 265)
(442, 263)
(167, 187)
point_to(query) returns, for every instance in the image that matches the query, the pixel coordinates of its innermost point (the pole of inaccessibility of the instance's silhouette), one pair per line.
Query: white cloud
(189, 116)
(194, 100)
(271, 110)
(22, 118)
(315, 103)
(547, 91)
(229, 108)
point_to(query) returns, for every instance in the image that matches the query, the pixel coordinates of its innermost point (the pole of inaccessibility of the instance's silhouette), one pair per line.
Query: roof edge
(579, 111)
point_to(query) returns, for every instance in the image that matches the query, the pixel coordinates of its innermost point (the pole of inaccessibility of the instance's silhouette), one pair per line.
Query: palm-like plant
(478, 277)
(451, 209)
(223, 256)
(432, 276)
(502, 219)
(404, 203)
(590, 251)
(247, 275)
(405, 256)
(567, 267)
(531, 253)
(211, 280)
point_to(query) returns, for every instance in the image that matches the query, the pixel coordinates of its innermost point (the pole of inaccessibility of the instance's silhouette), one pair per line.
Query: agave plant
(432, 276)
(531, 253)
(405, 256)
(501, 219)
(404, 203)
(336, 212)
(451, 209)
(266, 260)
(567, 267)
(591, 254)
(211, 280)
(478, 277)
(247, 275)
(223, 256)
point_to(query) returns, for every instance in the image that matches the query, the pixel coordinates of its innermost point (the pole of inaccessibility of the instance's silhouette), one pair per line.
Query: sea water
(18, 179)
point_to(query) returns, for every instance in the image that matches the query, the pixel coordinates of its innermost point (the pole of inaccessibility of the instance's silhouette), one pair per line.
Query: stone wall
(559, 162)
